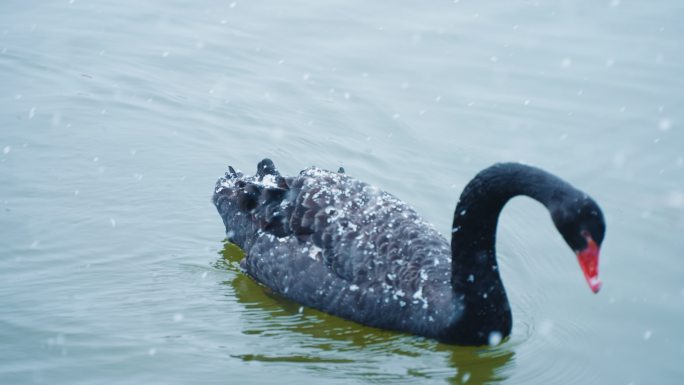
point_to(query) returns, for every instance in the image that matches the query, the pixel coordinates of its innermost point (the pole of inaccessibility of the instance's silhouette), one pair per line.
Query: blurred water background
(116, 118)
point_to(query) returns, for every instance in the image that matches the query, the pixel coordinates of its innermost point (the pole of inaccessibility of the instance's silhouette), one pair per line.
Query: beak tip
(595, 285)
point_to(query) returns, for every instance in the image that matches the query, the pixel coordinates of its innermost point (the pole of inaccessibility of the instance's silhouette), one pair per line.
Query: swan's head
(580, 222)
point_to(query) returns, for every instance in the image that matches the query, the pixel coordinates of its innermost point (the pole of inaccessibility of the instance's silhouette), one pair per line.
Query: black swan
(334, 243)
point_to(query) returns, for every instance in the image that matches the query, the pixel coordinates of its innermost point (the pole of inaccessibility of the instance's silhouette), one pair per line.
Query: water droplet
(178, 317)
(675, 199)
(647, 335)
(495, 338)
(6, 150)
(665, 124)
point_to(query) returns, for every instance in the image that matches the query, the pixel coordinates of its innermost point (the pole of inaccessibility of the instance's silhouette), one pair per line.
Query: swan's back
(334, 243)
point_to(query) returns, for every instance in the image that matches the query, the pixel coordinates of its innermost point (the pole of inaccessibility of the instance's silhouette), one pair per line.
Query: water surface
(117, 117)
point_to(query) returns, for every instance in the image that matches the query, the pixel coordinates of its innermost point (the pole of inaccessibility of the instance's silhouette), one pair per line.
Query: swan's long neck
(475, 272)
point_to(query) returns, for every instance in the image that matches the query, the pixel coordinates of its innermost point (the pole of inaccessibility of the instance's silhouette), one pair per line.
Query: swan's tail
(252, 203)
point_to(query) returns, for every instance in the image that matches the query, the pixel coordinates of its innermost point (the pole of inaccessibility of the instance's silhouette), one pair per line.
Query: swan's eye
(585, 234)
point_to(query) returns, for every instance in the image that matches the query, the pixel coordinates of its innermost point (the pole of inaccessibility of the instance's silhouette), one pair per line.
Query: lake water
(117, 117)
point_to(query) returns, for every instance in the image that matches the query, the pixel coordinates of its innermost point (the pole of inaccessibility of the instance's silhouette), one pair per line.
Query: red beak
(589, 260)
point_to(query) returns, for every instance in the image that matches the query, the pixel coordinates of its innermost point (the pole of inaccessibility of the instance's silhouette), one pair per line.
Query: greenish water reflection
(326, 334)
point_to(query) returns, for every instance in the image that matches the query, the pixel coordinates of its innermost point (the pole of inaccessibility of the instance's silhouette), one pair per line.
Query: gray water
(117, 117)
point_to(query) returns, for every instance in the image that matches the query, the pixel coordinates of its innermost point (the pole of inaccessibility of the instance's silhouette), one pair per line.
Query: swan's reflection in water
(333, 346)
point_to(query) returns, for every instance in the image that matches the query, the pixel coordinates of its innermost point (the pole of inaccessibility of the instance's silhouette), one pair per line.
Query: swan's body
(334, 243)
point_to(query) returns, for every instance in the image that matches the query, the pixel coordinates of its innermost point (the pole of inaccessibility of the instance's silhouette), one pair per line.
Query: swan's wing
(314, 213)
(293, 269)
(334, 243)
(403, 300)
(342, 228)
(298, 272)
